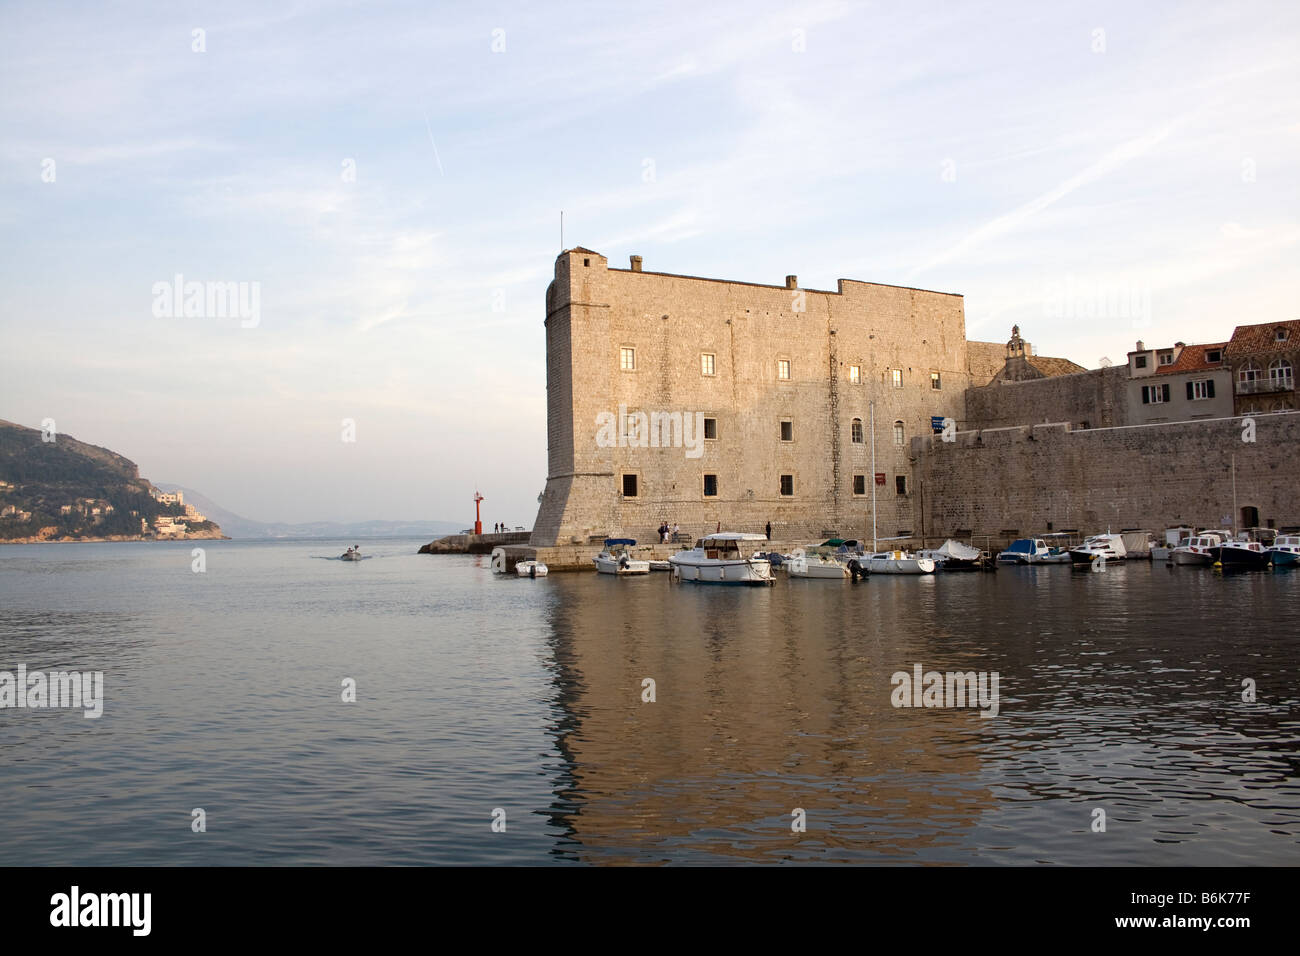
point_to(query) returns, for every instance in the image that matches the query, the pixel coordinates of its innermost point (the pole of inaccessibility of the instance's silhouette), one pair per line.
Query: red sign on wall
(880, 477)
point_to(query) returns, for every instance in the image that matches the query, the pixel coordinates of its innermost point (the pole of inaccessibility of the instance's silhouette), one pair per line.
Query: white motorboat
(1200, 549)
(815, 563)
(1108, 546)
(897, 562)
(723, 558)
(530, 569)
(615, 559)
(656, 565)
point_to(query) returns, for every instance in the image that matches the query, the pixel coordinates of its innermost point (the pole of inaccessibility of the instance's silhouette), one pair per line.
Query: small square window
(629, 486)
(711, 429)
(586, 262)
(1282, 335)
(900, 484)
(896, 377)
(783, 370)
(627, 359)
(1166, 358)
(859, 484)
(1213, 355)
(936, 382)
(1139, 361)
(787, 431)
(707, 361)
(855, 374)
(787, 485)
(710, 486)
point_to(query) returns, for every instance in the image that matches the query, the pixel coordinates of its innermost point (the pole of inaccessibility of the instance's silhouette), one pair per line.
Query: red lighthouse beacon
(478, 523)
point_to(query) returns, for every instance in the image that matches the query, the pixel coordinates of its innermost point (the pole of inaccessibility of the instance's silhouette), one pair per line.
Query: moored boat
(952, 555)
(1107, 547)
(530, 569)
(1243, 552)
(815, 563)
(1285, 551)
(723, 558)
(615, 559)
(1200, 550)
(1025, 551)
(897, 562)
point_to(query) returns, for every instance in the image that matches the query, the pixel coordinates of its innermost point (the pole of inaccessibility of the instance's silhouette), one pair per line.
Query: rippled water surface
(1119, 691)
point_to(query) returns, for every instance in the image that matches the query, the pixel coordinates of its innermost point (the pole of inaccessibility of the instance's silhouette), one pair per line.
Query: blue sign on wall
(936, 423)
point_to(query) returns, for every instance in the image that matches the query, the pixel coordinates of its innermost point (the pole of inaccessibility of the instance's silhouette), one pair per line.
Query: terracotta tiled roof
(1192, 359)
(1052, 367)
(1248, 339)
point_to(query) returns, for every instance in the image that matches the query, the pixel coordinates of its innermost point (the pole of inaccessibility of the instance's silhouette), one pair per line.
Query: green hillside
(40, 481)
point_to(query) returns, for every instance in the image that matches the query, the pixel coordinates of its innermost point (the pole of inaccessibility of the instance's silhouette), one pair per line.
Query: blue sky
(1006, 151)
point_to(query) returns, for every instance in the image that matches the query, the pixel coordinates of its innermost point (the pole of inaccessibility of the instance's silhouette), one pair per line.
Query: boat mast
(872, 406)
(1234, 494)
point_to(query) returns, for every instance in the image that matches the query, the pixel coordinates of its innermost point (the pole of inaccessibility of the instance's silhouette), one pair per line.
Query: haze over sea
(1120, 691)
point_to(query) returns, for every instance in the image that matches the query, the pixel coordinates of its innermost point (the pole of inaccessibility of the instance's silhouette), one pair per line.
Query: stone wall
(1092, 399)
(1038, 478)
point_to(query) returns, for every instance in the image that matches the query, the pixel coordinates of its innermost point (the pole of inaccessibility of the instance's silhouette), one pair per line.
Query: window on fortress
(629, 486)
(859, 484)
(707, 361)
(783, 370)
(855, 374)
(710, 486)
(898, 433)
(787, 485)
(900, 484)
(787, 431)
(1155, 394)
(855, 431)
(1196, 391)
(935, 381)
(710, 429)
(896, 377)
(627, 359)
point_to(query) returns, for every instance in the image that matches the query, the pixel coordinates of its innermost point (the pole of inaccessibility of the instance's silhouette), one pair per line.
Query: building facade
(1178, 384)
(1262, 359)
(707, 403)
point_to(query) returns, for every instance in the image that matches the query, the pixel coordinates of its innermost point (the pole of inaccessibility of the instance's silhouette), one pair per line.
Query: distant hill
(65, 489)
(238, 526)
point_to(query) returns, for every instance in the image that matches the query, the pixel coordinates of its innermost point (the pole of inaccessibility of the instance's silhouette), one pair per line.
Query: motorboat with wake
(723, 558)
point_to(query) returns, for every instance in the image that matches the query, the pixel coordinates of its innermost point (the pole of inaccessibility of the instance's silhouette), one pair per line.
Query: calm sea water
(1120, 691)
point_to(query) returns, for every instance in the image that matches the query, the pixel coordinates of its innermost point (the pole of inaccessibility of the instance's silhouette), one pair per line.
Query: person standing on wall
(768, 530)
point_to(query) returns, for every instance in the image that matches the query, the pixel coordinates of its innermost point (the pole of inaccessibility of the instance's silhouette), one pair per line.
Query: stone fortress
(706, 403)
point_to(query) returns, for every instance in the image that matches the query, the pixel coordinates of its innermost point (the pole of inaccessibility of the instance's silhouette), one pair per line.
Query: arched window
(1279, 373)
(898, 433)
(1248, 373)
(855, 431)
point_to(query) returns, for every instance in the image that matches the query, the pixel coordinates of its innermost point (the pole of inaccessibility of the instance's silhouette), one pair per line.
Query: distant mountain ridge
(237, 526)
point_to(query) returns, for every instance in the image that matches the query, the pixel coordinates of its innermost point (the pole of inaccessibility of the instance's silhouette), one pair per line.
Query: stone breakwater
(474, 543)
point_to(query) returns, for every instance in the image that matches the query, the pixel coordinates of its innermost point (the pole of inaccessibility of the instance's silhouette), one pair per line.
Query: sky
(389, 178)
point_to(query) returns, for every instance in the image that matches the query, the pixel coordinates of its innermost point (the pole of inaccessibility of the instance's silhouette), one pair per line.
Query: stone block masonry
(784, 379)
(1042, 477)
